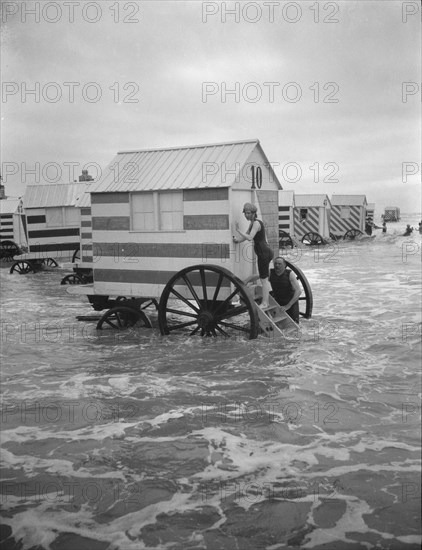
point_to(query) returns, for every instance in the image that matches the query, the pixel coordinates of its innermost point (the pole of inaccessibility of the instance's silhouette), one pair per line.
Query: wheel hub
(206, 320)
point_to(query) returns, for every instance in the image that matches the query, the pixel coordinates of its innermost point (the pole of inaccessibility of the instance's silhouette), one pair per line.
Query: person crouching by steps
(256, 233)
(286, 289)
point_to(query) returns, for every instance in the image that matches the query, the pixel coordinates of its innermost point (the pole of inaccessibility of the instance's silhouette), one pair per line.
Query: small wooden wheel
(352, 234)
(76, 255)
(72, 279)
(8, 249)
(312, 239)
(122, 318)
(49, 262)
(306, 300)
(207, 300)
(22, 267)
(284, 239)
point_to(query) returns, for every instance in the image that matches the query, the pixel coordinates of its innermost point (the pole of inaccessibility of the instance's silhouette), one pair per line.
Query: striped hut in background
(155, 212)
(348, 214)
(370, 211)
(84, 255)
(12, 222)
(52, 220)
(311, 218)
(286, 202)
(391, 214)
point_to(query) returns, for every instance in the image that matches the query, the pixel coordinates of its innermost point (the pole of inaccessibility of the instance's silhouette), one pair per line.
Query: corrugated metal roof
(348, 200)
(84, 199)
(302, 201)
(286, 198)
(177, 168)
(9, 206)
(60, 194)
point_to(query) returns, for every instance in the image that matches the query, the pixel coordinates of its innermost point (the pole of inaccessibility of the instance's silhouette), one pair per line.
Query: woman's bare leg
(266, 287)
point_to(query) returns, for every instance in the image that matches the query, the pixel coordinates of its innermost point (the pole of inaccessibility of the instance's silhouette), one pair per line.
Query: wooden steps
(273, 320)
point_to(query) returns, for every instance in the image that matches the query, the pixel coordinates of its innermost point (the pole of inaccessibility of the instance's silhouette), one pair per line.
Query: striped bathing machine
(163, 222)
(52, 225)
(12, 221)
(348, 214)
(311, 218)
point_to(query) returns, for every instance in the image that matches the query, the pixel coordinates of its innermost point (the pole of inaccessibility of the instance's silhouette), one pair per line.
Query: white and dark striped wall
(306, 219)
(137, 262)
(54, 233)
(345, 217)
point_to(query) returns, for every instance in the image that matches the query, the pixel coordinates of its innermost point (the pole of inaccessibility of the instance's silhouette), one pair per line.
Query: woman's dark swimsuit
(263, 251)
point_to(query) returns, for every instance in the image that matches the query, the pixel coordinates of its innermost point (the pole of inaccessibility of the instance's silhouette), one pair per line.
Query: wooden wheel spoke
(217, 288)
(182, 325)
(232, 313)
(194, 331)
(227, 301)
(235, 327)
(119, 322)
(109, 322)
(221, 331)
(178, 312)
(204, 286)
(184, 300)
(192, 290)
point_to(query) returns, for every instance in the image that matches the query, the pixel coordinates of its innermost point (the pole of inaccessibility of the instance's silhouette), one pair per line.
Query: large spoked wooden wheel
(122, 318)
(22, 267)
(284, 239)
(306, 300)
(352, 234)
(72, 279)
(207, 300)
(312, 239)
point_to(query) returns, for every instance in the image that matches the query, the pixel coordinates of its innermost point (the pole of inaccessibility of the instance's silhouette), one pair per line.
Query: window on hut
(54, 217)
(62, 216)
(157, 211)
(143, 212)
(171, 210)
(71, 216)
(303, 214)
(345, 212)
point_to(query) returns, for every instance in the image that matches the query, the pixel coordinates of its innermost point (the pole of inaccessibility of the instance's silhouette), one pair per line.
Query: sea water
(133, 440)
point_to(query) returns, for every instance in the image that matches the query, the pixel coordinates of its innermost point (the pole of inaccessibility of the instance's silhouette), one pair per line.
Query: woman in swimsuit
(256, 233)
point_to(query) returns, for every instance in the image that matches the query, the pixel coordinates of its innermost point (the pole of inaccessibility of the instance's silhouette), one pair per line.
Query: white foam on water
(98, 432)
(233, 456)
(410, 539)
(30, 464)
(351, 520)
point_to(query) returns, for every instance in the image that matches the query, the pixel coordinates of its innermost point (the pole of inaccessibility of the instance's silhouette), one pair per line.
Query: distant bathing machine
(370, 211)
(314, 219)
(12, 221)
(348, 214)
(52, 224)
(391, 214)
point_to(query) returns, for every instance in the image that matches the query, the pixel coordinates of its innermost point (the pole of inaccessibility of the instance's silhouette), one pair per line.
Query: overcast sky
(335, 86)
